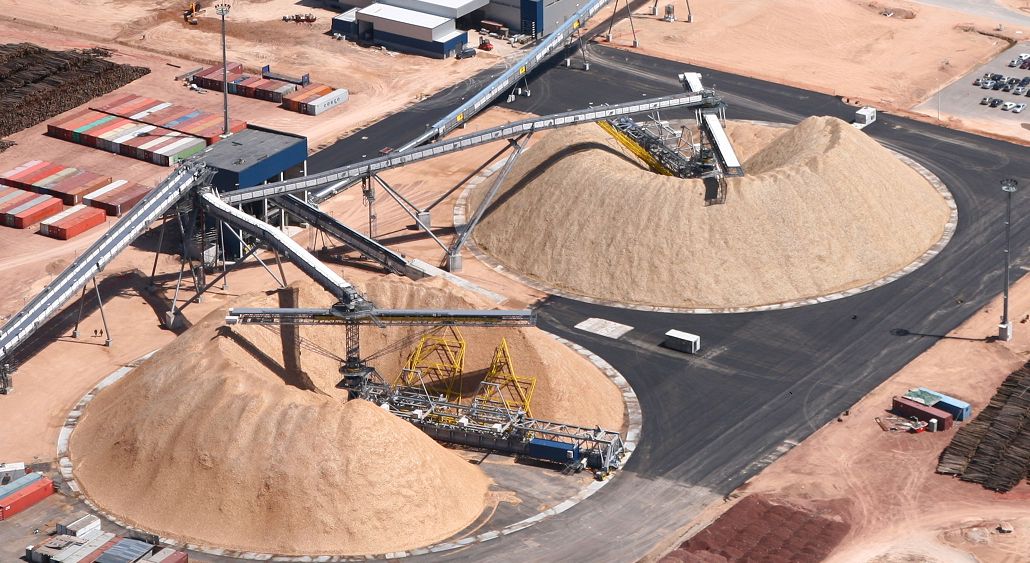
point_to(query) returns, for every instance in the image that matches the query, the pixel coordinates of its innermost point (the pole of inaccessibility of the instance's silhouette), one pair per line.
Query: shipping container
(74, 197)
(125, 551)
(177, 557)
(117, 203)
(9, 472)
(44, 225)
(86, 133)
(7, 193)
(30, 495)
(18, 484)
(70, 117)
(960, 410)
(25, 181)
(162, 118)
(76, 223)
(16, 202)
(142, 115)
(551, 450)
(78, 525)
(78, 178)
(114, 101)
(87, 199)
(911, 409)
(31, 213)
(89, 547)
(92, 136)
(332, 99)
(682, 341)
(14, 178)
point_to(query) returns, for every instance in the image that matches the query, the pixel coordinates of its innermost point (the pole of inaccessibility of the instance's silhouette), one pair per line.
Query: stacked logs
(37, 84)
(994, 448)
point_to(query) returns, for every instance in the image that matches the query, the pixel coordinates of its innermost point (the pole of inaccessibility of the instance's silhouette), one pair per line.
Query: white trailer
(682, 341)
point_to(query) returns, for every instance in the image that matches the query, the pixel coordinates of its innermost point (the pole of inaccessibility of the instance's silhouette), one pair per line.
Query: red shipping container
(70, 117)
(77, 179)
(77, 223)
(148, 153)
(164, 116)
(39, 186)
(18, 170)
(89, 136)
(118, 201)
(66, 131)
(177, 557)
(30, 495)
(92, 557)
(25, 181)
(923, 413)
(35, 214)
(130, 107)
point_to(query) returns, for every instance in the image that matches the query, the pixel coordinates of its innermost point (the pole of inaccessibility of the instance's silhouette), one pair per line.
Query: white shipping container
(44, 229)
(327, 101)
(147, 112)
(108, 188)
(132, 134)
(682, 341)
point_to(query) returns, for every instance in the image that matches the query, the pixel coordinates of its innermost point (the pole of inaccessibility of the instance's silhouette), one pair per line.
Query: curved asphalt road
(765, 378)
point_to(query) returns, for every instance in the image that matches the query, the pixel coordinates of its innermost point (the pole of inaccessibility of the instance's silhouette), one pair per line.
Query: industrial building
(253, 156)
(433, 27)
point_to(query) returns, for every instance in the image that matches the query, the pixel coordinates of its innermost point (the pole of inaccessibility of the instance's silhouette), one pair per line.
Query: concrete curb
(634, 422)
(460, 220)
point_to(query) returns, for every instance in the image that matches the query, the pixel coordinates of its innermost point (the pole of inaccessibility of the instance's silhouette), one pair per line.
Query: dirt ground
(154, 35)
(900, 510)
(892, 63)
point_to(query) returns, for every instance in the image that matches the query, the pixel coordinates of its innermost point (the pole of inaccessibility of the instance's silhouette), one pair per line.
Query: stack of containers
(23, 493)
(118, 197)
(72, 189)
(295, 100)
(23, 179)
(125, 551)
(32, 211)
(128, 137)
(170, 116)
(273, 90)
(10, 174)
(13, 199)
(211, 78)
(319, 105)
(72, 222)
(64, 173)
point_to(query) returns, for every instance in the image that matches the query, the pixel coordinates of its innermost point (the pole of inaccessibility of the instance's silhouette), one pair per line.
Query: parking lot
(962, 98)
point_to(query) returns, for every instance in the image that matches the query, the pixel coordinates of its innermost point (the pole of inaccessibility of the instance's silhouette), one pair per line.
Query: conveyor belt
(367, 247)
(514, 129)
(382, 317)
(712, 128)
(96, 257)
(286, 246)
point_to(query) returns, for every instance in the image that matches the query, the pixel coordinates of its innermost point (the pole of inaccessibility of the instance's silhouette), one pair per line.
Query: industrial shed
(532, 17)
(403, 29)
(253, 156)
(452, 9)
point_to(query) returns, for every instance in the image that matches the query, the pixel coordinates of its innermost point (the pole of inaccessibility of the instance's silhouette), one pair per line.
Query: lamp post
(1005, 328)
(222, 10)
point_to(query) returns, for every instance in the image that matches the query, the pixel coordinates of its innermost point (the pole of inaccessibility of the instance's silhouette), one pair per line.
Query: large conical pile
(823, 208)
(222, 439)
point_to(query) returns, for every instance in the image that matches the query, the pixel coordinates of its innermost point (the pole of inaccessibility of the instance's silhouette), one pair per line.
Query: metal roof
(241, 150)
(402, 15)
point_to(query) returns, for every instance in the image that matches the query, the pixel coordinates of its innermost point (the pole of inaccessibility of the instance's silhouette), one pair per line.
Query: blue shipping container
(960, 410)
(550, 450)
(19, 484)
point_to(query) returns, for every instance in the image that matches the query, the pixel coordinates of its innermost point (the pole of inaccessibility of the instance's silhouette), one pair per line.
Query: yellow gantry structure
(515, 391)
(440, 359)
(635, 148)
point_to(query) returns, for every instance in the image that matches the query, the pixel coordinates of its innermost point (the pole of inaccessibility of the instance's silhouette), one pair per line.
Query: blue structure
(253, 156)
(551, 450)
(959, 410)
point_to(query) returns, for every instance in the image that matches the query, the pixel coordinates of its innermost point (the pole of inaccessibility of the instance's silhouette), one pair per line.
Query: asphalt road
(714, 420)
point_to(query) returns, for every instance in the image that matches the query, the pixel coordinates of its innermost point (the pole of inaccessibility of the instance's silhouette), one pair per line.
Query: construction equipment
(300, 18)
(485, 44)
(190, 13)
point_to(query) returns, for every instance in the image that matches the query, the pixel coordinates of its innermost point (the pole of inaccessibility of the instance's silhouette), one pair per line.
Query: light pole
(1005, 328)
(222, 10)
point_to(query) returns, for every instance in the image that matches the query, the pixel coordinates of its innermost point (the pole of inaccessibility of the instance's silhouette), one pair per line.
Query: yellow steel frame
(635, 148)
(515, 391)
(440, 358)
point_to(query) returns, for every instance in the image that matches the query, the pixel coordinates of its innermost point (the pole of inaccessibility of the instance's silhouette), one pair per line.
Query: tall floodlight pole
(222, 10)
(1005, 328)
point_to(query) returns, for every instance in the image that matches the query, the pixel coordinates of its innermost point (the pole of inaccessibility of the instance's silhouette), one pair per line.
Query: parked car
(1019, 108)
(1025, 64)
(996, 102)
(1019, 90)
(977, 81)
(466, 53)
(998, 85)
(1023, 56)
(1014, 62)
(1012, 80)
(1006, 88)
(996, 76)
(985, 101)
(1007, 106)
(987, 84)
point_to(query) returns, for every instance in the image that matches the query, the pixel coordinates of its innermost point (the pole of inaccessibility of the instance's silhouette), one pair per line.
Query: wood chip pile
(760, 530)
(37, 84)
(994, 448)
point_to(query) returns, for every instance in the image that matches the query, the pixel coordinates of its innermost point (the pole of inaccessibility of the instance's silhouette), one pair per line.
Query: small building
(403, 29)
(253, 156)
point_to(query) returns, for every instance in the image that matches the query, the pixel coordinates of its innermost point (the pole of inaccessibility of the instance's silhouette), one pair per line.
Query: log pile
(37, 84)
(994, 448)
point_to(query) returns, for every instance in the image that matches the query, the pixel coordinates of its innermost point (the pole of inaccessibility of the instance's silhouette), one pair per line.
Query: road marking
(610, 329)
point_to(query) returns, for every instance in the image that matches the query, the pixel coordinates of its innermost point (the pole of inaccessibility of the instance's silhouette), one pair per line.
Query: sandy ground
(1021, 6)
(380, 82)
(839, 47)
(900, 510)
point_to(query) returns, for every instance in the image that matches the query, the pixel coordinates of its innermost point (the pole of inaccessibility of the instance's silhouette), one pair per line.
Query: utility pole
(1005, 328)
(223, 10)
